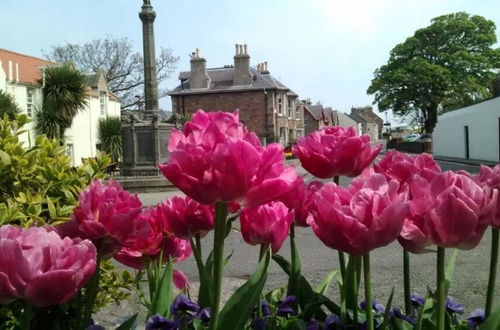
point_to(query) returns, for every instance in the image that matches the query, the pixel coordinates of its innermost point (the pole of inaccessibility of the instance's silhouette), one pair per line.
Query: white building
(22, 77)
(472, 132)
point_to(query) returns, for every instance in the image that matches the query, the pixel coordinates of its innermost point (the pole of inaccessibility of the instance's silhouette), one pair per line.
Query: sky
(324, 50)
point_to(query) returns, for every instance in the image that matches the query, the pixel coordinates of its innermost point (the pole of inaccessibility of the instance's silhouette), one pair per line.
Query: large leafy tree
(123, 66)
(447, 65)
(7, 105)
(64, 94)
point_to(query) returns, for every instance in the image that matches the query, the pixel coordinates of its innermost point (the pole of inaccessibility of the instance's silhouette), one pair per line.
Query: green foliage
(109, 133)
(447, 65)
(39, 186)
(64, 94)
(46, 122)
(8, 105)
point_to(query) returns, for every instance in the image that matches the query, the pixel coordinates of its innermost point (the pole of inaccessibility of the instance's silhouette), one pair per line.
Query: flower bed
(228, 176)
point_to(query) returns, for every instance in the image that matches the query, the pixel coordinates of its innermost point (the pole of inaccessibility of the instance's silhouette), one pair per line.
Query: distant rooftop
(221, 80)
(28, 66)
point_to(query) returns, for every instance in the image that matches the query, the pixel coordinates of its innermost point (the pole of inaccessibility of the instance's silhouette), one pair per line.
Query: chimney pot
(236, 49)
(197, 53)
(10, 70)
(245, 49)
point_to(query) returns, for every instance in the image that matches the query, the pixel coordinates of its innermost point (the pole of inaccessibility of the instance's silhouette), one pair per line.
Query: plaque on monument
(145, 150)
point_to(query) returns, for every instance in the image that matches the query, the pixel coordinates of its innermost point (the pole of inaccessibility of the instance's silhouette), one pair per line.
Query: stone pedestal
(144, 146)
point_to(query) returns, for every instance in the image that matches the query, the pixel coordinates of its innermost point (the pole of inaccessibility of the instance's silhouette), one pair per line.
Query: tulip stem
(263, 251)
(26, 319)
(198, 245)
(342, 265)
(440, 288)
(493, 272)
(407, 283)
(219, 236)
(93, 287)
(368, 291)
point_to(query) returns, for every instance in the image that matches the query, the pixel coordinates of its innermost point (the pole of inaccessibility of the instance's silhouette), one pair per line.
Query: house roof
(315, 110)
(28, 66)
(221, 80)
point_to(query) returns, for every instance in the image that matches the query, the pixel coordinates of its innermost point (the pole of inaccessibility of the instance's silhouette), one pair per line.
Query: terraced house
(266, 106)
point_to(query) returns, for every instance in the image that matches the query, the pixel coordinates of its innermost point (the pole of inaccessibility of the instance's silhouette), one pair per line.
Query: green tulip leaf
(238, 308)
(387, 310)
(327, 281)
(492, 322)
(129, 323)
(164, 293)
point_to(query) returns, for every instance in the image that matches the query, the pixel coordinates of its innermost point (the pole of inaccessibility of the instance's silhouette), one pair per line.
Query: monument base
(144, 146)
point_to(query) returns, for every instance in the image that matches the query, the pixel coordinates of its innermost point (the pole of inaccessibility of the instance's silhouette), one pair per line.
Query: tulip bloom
(359, 221)
(42, 268)
(171, 248)
(335, 151)
(215, 158)
(402, 167)
(185, 217)
(450, 211)
(489, 178)
(303, 206)
(106, 210)
(267, 224)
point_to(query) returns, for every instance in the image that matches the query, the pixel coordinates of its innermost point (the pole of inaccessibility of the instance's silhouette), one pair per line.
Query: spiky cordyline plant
(110, 136)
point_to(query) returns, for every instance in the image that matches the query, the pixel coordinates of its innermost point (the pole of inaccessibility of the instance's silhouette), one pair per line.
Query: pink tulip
(335, 151)
(266, 224)
(180, 280)
(108, 211)
(42, 268)
(450, 211)
(216, 159)
(185, 217)
(300, 200)
(272, 179)
(489, 178)
(358, 221)
(171, 247)
(402, 167)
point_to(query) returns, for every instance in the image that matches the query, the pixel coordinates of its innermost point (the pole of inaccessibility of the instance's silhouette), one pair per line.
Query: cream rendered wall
(18, 91)
(3, 78)
(483, 122)
(83, 132)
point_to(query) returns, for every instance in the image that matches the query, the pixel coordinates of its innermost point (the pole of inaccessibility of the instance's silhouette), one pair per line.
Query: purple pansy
(158, 322)
(475, 318)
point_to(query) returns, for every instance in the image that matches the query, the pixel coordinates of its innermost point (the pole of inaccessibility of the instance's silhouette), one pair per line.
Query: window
(103, 100)
(289, 107)
(280, 106)
(291, 136)
(70, 152)
(297, 112)
(29, 102)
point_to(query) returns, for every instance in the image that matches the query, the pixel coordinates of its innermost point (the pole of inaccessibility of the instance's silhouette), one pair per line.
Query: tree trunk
(430, 119)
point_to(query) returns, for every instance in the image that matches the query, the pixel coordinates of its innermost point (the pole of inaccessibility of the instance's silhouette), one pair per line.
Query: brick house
(316, 117)
(371, 123)
(266, 106)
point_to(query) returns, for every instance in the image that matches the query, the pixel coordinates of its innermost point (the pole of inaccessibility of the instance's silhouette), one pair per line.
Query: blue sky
(325, 50)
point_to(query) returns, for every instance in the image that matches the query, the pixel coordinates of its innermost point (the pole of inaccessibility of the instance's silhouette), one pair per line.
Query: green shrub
(38, 186)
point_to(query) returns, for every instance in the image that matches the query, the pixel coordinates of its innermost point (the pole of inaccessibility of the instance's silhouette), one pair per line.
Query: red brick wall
(251, 105)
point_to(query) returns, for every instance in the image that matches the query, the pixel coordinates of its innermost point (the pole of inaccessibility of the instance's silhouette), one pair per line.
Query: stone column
(147, 16)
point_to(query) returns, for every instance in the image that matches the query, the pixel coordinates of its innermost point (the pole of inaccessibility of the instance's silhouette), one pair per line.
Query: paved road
(468, 286)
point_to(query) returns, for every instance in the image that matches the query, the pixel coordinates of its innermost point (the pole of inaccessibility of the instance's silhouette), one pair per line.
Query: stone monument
(145, 137)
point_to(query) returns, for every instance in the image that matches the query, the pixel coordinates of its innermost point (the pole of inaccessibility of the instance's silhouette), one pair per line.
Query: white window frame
(30, 100)
(103, 103)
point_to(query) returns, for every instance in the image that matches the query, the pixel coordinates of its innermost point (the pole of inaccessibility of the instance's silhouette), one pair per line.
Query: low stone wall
(411, 147)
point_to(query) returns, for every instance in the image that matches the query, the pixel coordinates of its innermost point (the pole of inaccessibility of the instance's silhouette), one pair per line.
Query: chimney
(242, 75)
(10, 71)
(264, 68)
(495, 87)
(199, 77)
